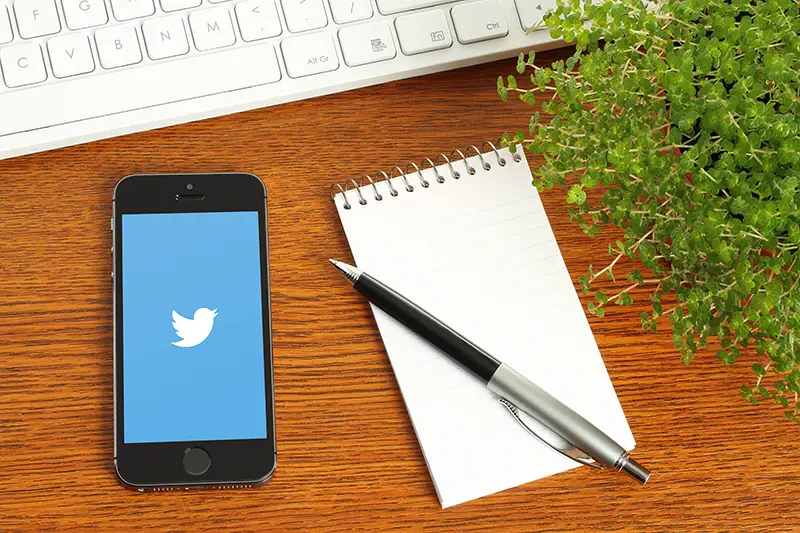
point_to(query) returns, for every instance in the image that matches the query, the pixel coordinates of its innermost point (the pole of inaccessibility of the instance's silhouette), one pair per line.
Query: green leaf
(584, 282)
(503, 92)
(657, 309)
(576, 195)
(636, 276)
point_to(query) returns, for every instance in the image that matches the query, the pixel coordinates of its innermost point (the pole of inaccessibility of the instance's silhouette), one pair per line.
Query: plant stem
(619, 256)
(609, 267)
(612, 298)
(758, 381)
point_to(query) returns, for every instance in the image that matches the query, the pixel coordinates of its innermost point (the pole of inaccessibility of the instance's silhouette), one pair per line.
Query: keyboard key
(132, 9)
(6, 35)
(22, 65)
(146, 86)
(345, 11)
(366, 43)
(532, 11)
(388, 7)
(258, 19)
(118, 46)
(479, 21)
(423, 32)
(165, 37)
(310, 54)
(212, 28)
(80, 14)
(36, 18)
(177, 5)
(70, 55)
(304, 15)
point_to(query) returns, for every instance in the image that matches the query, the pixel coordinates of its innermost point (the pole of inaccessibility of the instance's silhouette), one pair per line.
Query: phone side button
(196, 461)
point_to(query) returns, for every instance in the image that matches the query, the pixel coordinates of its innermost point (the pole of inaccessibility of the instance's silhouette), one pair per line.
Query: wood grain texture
(348, 458)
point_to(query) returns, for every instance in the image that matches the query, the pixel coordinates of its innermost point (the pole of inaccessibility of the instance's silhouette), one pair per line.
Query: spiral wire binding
(367, 180)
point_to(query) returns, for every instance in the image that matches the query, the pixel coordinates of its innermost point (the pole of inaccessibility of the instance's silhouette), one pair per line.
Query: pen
(555, 424)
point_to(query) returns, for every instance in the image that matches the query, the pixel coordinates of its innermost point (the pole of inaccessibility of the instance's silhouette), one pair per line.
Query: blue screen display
(193, 343)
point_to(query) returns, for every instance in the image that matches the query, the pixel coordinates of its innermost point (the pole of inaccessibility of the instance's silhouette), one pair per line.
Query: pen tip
(348, 271)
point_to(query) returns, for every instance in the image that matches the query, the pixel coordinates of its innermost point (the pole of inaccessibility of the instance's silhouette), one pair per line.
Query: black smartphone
(193, 389)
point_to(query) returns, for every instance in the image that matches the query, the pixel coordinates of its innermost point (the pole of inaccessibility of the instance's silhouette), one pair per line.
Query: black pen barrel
(427, 326)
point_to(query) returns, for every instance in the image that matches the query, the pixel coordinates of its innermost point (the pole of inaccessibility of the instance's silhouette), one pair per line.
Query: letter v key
(70, 55)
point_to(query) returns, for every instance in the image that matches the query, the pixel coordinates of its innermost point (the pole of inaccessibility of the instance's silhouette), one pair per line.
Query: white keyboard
(79, 70)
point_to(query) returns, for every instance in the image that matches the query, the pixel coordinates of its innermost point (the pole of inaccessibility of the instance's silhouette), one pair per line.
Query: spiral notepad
(465, 236)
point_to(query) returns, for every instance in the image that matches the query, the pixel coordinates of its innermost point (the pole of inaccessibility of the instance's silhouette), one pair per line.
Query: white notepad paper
(478, 253)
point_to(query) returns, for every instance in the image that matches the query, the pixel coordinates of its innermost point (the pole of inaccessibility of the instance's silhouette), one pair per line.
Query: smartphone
(193, 389)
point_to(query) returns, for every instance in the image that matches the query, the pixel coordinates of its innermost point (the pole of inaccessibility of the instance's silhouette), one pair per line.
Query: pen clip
(549, 438)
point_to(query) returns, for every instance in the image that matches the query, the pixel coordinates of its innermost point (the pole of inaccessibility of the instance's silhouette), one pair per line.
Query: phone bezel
(233, 462)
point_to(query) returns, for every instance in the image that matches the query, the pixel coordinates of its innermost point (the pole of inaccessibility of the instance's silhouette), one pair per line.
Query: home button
(196, 461)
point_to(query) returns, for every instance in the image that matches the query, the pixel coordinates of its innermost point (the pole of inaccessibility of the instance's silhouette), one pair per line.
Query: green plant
(685, 117)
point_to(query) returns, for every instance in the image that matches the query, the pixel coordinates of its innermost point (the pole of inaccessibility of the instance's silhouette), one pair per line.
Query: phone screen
(192, 320)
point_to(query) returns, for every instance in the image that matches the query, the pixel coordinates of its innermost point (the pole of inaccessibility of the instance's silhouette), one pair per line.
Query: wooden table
(348, 458)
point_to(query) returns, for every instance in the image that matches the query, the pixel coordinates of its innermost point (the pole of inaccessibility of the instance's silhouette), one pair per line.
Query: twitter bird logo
(193, 331)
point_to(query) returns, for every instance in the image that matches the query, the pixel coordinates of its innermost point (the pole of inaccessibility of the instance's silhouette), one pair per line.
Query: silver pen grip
(550, 412)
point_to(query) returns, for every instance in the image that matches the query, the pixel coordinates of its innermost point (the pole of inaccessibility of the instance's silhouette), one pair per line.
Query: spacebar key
(118, 91)
(389, 7)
